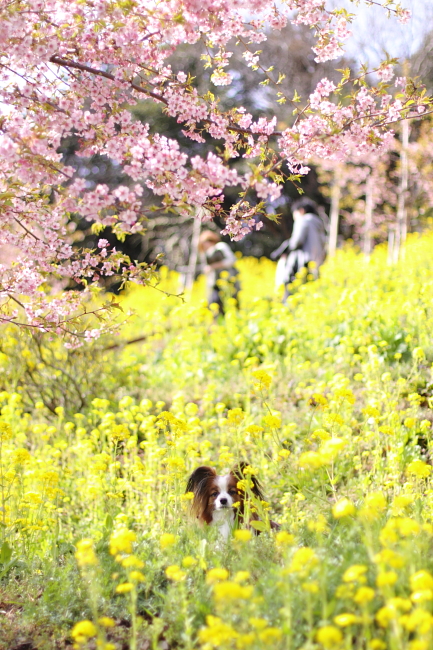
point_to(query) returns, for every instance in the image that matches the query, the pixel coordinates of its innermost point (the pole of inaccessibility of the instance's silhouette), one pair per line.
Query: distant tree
(169, 233)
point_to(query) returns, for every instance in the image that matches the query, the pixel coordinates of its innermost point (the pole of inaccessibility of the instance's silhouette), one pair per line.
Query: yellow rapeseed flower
(283, 538)
(130, 562)
(418, 354)
(83, 630)
(422, 595)
(387, 430)
(124, 588)
(322, 434)
(374, 506)
(270, 635)
(329, 449)
(344, 620)
(217, 633)
(419, 620)
(243, 535)
(385, 615)
(419, 469)
(303, 561)
(386, 578)
(137, 576)
(5, 431)
(398, 526)
(317, 400)
(175, 573)
(403, 604)
(21, 456)
(191, 409)
(311, 460)
(118, 433)
(85, 553)
(235, 416)
(242, 576)
(166, 540)
(216, 575)
(121, 541)
(272, 421)
(318, 525)
(329, 636)
(254, 430)
(355, 573)
(390, 557)
(261, 379)
(402, 501)
(245, 640)
(229, 590)
(343, 508)
(364, 595)
(377, 644)
(344, 395)
(421, 580)
(258, 623)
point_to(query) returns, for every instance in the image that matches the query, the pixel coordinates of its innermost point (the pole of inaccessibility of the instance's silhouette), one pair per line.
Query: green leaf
(259, 525)
(97, 228)
(115, 305)
(5, 553)
(65, 547)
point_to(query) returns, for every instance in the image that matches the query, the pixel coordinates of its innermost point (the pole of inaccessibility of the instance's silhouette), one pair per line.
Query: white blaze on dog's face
(224, 492)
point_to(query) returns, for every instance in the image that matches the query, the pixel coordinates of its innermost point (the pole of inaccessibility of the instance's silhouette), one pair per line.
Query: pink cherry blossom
(73, 67)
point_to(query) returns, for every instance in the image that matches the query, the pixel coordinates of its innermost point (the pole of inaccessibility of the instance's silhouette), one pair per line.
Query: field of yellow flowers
(328, 399)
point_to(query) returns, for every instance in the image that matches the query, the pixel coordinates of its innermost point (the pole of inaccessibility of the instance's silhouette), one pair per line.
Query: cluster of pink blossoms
(68, 68)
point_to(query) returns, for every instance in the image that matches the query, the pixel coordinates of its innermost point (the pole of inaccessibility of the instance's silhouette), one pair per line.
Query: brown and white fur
(215, 495)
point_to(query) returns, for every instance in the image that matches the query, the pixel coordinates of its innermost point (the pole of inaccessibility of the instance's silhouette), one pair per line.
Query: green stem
(133, 640)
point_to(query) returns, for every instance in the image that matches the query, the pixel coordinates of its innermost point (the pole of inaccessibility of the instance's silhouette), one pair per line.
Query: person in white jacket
(307, 244)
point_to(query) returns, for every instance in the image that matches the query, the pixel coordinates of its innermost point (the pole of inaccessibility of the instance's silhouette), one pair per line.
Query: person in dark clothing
(217, 257)
(307, 244)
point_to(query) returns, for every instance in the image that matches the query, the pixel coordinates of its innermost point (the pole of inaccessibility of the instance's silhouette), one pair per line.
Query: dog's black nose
(223, 502)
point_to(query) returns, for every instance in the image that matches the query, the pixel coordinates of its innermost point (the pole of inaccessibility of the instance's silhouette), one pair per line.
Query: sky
(374, 33)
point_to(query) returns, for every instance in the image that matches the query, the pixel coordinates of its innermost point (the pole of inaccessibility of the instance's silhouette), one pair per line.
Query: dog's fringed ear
(238, 472)
(198, 477)
(197, 484)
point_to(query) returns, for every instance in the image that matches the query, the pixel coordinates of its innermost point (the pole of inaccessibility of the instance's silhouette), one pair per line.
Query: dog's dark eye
(214, 494)
(232, 491)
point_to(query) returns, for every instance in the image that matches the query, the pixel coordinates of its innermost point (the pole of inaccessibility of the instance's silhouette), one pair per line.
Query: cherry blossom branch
(67, 63)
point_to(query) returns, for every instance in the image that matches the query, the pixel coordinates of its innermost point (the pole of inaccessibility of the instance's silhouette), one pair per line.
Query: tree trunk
(401, 226)
(391, 244)
(334, 212)
(193, 256)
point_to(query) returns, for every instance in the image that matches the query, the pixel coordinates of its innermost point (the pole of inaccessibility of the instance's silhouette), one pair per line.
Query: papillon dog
(215, 496)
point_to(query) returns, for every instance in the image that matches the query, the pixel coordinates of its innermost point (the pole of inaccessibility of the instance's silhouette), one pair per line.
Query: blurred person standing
(217, 257)
(307, 244)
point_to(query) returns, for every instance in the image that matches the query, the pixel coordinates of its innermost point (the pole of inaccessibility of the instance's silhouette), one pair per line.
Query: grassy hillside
(328, 398)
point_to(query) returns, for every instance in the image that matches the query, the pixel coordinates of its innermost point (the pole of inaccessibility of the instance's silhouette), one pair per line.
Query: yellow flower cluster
(326, 398)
